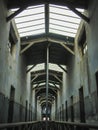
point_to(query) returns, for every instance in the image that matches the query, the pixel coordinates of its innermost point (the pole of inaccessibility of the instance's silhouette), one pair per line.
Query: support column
(47, 83)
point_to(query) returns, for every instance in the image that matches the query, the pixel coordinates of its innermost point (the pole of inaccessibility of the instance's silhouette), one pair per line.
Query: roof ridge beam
(63, 68)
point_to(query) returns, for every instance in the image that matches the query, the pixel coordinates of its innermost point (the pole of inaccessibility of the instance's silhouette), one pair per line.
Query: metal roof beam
(17, 3)
(38, 90)
(63, 68)
(37, 75)
(46, 19)
(49, 99)
(44, 102)
(47, 39)
(56, 86)
(43, 73)
(32, 43)
(42, 95)
(34, 78)
(16, 13)
(70, 6)
(67, 48)
(62, 44)
(58, 78)
(28, 70)
(38, 86)
(43, 81)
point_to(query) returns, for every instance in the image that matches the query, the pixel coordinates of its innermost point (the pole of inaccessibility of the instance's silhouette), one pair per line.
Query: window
(85, 48)
(82, 42)
(12, 40)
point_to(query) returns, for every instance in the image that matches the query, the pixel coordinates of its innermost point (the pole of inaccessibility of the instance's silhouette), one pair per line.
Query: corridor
(48, 65)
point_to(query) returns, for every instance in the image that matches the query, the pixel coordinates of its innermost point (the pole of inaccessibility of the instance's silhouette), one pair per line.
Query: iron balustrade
(62, 125)
(21, 126)
(52, 125)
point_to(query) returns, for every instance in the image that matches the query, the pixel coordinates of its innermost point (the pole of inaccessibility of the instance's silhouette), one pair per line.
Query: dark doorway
(20, 109)
(26, 110)
(72, 109)
(62, 112)
(11, 104)
(82, 107)
(66, 111)
(97, 81)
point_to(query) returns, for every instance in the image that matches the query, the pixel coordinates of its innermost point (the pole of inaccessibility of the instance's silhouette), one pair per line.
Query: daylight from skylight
(61, 21)
(31, 21)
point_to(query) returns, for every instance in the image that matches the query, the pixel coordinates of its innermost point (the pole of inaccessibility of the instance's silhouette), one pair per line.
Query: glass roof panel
(34, 32)
(30, 17)
(67, 18)
(31, 11)
(61, 32)
(65, 11)
(31, 28)
(63, 28)
(31, 21)
(63, 21)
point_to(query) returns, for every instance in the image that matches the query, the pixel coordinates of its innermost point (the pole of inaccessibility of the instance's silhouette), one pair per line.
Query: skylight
(61, 21)
(31, 21)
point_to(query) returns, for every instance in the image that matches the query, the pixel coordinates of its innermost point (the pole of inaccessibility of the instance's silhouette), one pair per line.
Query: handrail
(86, 125)
(8, 125)
(51, 124)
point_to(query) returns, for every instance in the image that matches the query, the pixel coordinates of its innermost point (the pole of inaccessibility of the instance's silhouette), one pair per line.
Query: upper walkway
(48, 125)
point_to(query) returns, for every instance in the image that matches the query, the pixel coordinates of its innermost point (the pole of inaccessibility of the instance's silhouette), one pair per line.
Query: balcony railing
(52, 125)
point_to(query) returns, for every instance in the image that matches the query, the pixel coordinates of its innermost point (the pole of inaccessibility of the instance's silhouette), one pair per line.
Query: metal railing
(74, 126)
(52, 125)
(21, 126)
